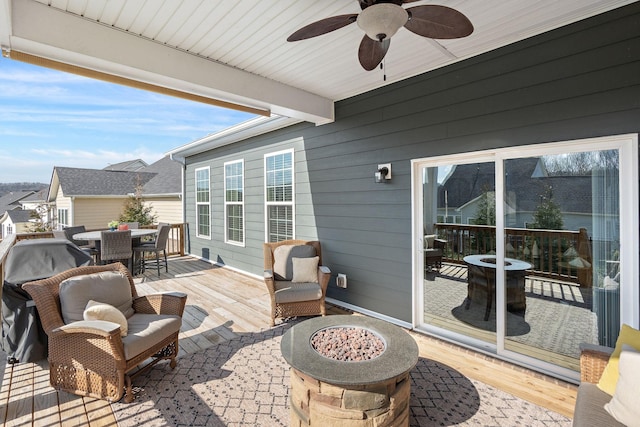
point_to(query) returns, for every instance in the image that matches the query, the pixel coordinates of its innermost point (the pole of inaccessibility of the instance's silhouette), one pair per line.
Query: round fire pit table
(326, 391)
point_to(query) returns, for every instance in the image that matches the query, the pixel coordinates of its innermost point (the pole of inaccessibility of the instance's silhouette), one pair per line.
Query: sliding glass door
(520, 252)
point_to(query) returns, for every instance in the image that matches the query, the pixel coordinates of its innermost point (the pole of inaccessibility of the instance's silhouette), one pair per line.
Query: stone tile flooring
(245, 382)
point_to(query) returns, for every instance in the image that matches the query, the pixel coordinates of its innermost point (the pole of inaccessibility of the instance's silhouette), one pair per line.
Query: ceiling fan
(380, 19)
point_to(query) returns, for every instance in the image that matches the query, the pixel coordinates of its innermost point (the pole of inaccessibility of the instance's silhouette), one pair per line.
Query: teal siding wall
(579, 81)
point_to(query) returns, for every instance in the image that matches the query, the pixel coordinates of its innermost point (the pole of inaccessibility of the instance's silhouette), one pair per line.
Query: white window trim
(292, 203)
(629, 222)
(195, 175)
(227, 203)
(59, 224)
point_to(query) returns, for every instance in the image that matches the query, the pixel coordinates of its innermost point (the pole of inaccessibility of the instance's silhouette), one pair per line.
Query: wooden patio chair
(91, 357)
(296, 288)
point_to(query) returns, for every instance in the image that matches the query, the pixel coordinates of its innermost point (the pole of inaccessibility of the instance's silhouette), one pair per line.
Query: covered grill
(23, 338)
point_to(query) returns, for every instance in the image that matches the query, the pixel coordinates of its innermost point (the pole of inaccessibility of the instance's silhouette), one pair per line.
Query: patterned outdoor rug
(245, 382)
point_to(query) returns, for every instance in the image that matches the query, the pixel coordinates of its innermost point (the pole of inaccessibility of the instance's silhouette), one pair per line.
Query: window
(63, 218)
(279, 196)
(234, 201)
(203, 204)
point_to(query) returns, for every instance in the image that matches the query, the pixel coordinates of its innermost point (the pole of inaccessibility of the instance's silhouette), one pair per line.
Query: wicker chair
(88, 357)
(157, 246)
(85, 245)
(590, 401)
(115, 246)
(289, 298)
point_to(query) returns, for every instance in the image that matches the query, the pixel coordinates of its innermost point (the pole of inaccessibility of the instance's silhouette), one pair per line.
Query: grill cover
(23, 338)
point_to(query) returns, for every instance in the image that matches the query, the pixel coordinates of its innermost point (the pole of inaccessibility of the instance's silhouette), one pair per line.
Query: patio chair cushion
(589, 410)
(146, 330)
(429, 240)
(99, 311)
(609, 378)
(624, 405)
(288, 292)
(305, 270)
(109, 287)
(282, 259)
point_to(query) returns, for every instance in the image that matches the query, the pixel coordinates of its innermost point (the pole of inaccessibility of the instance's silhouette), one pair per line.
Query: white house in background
(94, 197)
(16, 209)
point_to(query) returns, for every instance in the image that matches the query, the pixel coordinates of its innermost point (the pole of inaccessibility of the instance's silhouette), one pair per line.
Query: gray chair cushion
(146, 330)
(282, 259)
(590, 410)
(287, 292)
(109, 287)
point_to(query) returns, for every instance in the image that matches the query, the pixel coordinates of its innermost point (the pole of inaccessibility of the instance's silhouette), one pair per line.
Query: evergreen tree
(136, 211)
(548, 215)
(483, 240)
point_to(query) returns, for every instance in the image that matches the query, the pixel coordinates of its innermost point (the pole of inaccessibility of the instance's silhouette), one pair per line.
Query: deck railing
(175, 242)
(557, 254)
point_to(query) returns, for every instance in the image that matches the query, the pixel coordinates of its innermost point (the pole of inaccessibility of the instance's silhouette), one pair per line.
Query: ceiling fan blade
(323, 26)
(372, 52)
(438, 22)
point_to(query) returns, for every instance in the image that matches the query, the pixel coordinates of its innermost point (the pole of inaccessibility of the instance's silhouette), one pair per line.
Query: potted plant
(113, 225)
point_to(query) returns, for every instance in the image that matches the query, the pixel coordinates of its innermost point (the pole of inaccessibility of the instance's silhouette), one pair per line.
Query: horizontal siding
(96, 213)
(165, 209)
(576, 82)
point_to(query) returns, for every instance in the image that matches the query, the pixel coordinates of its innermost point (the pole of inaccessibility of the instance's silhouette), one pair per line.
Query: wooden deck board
(222, 304)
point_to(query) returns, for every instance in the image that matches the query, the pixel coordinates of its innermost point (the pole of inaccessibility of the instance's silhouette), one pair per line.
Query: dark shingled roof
(168, 179)
(468, 181)
(11, 200)
(96, 182)
(18, 215)
(129, 165)
(38, 196)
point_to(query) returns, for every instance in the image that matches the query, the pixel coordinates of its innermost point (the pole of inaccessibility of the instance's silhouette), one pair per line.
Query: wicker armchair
(289, 298)
(590, 400)
(88, 357)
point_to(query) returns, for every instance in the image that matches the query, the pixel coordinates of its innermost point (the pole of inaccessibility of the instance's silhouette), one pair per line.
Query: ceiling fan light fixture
(382, 21)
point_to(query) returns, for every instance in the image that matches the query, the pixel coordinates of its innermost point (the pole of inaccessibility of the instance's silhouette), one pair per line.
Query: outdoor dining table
(96, 235)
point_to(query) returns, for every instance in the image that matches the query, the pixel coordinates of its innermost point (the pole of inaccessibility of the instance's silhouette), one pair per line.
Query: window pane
(235, 230)
(280, 223)
(203, 220)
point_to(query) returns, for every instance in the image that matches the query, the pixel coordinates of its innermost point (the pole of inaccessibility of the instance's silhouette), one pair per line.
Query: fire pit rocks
(349, 371)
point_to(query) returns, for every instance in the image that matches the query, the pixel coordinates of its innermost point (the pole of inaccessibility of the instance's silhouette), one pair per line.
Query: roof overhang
(242, 131)
(33, 30)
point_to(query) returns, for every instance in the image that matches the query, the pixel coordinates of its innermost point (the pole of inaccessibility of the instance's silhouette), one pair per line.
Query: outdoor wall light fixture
(384, 173)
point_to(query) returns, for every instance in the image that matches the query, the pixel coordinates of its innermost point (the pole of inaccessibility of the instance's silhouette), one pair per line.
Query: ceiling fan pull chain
(383, 67)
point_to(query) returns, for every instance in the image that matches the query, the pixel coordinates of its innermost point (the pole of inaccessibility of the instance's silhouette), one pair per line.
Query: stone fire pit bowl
(325, 391)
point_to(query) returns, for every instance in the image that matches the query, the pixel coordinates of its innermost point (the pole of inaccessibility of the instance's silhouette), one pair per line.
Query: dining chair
(132, 225)
(115, 246)
(156, 247)
(86, 246)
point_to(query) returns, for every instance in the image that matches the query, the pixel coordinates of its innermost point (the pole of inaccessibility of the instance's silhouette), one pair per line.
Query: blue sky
(49, 118)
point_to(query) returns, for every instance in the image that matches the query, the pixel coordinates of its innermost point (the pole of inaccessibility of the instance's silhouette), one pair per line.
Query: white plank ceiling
(248, 38)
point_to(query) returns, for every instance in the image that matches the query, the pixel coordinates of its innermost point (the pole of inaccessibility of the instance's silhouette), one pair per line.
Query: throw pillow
(100, 311)
(305, 270)
(624, 405)
(429, 239)
(282, 255)
(609, 378)
(110, 287)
